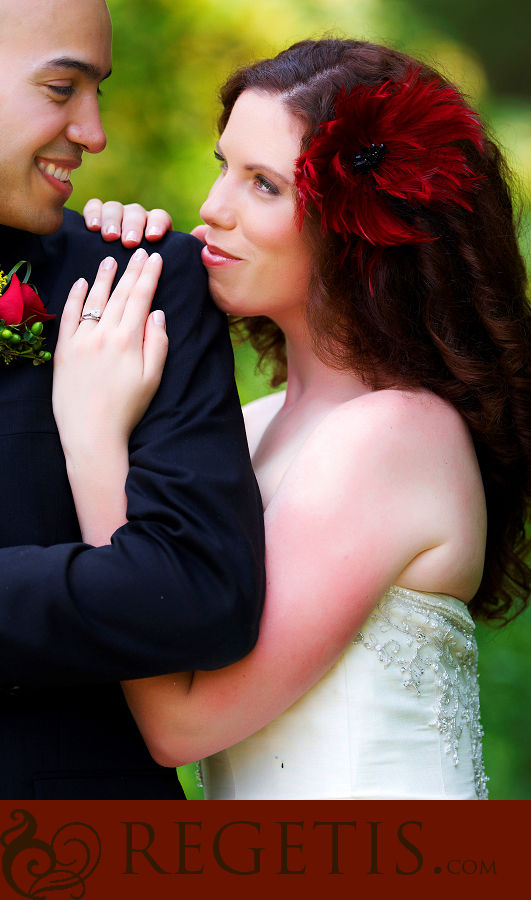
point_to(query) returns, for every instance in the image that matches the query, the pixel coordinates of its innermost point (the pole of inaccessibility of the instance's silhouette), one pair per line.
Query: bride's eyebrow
(253, 167)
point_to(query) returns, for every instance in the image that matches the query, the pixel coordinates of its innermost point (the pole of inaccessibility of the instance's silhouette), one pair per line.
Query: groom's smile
(57, 171)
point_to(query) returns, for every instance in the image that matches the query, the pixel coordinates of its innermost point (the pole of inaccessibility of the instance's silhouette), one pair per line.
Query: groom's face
(53, 56)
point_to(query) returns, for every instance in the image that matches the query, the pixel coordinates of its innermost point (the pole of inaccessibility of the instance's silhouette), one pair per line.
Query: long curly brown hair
(450, 315)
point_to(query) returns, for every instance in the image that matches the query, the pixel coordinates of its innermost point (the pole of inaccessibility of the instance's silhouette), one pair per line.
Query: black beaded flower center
(369, 158)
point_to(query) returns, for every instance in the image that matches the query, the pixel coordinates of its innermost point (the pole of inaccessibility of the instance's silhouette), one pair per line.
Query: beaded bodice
(395, 718)
(418, 631)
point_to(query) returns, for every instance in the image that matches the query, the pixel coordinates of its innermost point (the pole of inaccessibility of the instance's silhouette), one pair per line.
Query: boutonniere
(21, 318)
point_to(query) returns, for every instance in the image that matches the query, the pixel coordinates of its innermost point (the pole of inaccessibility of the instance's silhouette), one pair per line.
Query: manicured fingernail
(132, 236)
(158, 317)
(153, 231)
(155, 256)
(80, 283)
(112, 229)
(139, 254)
(95, 223)
(108, 262)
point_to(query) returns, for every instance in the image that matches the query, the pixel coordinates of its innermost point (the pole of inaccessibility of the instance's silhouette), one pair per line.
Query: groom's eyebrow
(93, 73)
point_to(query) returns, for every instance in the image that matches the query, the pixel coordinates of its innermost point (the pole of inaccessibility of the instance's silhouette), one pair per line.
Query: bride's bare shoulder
(405, 410)
(396, 429)
(257, 415)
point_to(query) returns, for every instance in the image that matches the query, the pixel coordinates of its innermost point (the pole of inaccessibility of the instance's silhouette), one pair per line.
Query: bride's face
(257, 260)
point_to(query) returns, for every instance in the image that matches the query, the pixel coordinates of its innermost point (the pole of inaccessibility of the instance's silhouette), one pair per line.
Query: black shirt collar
(16, 245)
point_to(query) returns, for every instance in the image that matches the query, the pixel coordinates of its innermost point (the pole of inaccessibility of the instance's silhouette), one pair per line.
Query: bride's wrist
(101, 448)
(98, 466)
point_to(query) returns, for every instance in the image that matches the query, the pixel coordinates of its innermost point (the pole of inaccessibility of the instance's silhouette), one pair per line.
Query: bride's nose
(217, 208)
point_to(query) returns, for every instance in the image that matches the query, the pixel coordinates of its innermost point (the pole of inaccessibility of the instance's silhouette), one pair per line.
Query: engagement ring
(93, 314)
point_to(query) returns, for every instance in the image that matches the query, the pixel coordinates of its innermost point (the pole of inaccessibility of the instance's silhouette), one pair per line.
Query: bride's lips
(215, 258)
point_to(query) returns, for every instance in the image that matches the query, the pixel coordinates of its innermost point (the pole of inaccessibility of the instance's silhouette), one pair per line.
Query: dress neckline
(441, 603)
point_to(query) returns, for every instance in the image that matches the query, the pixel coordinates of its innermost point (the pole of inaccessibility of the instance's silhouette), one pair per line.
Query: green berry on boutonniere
(21, 318)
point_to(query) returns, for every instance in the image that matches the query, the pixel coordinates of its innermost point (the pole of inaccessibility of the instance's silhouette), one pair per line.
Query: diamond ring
(92, 314)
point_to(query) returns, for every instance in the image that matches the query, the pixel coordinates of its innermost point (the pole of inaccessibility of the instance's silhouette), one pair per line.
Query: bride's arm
(349, 515)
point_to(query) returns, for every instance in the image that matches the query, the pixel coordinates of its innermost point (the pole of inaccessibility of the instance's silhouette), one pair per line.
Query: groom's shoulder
(181, 252)
(74, 252)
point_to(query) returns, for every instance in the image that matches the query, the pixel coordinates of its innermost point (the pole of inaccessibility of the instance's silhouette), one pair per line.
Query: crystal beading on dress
(395, 718)
(429, 628)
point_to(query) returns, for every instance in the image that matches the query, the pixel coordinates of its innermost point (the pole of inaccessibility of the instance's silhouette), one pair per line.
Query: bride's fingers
(199, 232)
(131, 221)
(100, 290)
(134, 293)
(140, 299)
(121, 293)
(92, 214)
(111, 220)
(72, 309)
(158, 223)
(134, 222)
(155, 348)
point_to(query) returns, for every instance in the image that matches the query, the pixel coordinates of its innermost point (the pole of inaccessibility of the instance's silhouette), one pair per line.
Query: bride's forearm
(97, 476)
(160, 707)
(184, 717)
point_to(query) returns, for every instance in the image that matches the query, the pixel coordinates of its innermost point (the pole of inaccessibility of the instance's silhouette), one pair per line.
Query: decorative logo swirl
(34, 868)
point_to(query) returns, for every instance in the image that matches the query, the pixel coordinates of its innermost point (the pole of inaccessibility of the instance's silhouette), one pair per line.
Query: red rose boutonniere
(21, 318)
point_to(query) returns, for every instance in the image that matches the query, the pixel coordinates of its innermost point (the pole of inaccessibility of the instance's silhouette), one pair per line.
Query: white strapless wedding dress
(396, 718)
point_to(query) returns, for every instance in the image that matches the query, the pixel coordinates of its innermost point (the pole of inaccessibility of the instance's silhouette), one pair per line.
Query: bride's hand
(199, 232)
(106, 372)
(131, 221)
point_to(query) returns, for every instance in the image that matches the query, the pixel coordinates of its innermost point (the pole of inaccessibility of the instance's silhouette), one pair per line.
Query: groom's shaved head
(19, 14)
(28, 25)
(53, 56)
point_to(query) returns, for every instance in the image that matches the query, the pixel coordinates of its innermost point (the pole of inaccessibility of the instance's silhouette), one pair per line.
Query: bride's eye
(220, 158)
(266, 186)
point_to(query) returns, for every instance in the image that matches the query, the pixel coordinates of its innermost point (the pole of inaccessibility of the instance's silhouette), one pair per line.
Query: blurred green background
(159, 109)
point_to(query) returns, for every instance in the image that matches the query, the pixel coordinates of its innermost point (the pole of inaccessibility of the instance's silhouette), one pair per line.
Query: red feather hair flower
(391, 140)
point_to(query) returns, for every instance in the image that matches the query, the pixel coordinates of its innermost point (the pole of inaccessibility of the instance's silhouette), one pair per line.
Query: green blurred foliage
(499, 32)
(190, 781)
(505, 693)
(159, 110)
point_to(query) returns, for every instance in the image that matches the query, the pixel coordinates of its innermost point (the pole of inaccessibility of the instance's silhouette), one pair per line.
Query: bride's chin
(220, 302)
(224, 303)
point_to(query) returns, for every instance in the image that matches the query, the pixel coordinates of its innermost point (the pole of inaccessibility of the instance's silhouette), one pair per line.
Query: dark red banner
(158, 849)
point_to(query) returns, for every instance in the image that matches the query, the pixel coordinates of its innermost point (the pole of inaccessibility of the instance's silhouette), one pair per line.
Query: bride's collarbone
(283, 437)
(403, 421)
(272, 459)
(278, 434)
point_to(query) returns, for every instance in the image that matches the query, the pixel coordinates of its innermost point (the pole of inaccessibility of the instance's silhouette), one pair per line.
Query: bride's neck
(309, 379)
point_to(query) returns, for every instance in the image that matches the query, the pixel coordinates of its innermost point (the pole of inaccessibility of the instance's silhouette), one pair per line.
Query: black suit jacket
(181, 587)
